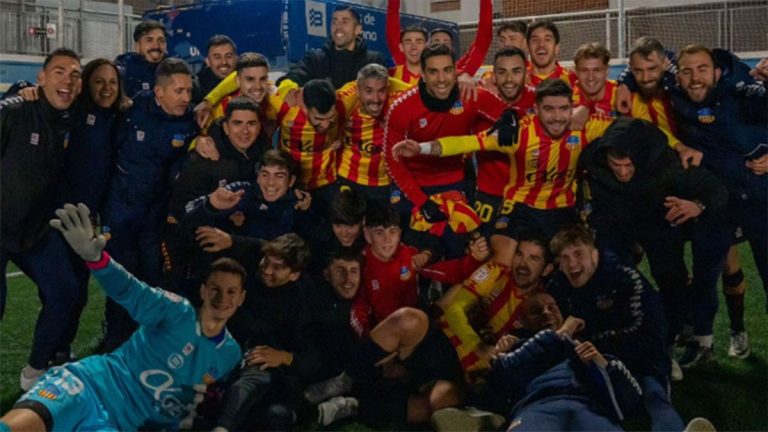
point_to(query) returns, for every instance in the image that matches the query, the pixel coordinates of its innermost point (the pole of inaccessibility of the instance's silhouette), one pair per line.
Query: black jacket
(331, 329)
(33, 139)
(341, 66)
(658, 174)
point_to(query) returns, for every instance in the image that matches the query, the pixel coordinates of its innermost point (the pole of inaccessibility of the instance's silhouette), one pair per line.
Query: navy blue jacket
(729, 127)
(150, 144)
(546, 366)
(33, 139)
(622, 313)
(137, 73)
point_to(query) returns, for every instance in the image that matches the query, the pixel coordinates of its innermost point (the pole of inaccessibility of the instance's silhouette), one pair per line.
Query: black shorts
(515, 218)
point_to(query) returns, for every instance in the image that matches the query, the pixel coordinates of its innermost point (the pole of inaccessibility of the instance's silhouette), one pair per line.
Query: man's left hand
(759, 166)
(268, 357)
(467, 87)
(680, 210)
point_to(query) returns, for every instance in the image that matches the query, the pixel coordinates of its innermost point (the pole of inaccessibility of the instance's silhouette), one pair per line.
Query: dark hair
(241, 103)
(346, 253)
(226, 265)
(170, 66)
(350, 9)
(414, 29)
(573, 235)
(616, 154)
(86, 98)
(220, 39)
(441, 30)
(592, 50)
(508, 52)
(434, 50)
(290, 248)
(514, 26)
(60, 52)
(274, 157)
(251, 59)
(549, 25)
(645, 46)
(381, 215)
(145, 27)
(320, 95)
(553, 87)
(348, 208)
(539, 239)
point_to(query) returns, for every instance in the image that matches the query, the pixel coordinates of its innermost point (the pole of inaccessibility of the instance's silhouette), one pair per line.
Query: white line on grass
(14, 274)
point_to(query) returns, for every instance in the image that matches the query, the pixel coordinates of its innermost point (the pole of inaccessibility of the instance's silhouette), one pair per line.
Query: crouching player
(157, 376)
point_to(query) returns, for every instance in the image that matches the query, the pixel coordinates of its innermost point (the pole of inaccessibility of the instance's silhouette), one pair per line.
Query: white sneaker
(29, 377)
(335, 409)
(466, 420)
(700, 424)
(739, 347)
(677, 372)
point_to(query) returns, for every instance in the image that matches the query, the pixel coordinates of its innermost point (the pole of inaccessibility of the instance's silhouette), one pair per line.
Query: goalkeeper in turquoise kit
(157, 377)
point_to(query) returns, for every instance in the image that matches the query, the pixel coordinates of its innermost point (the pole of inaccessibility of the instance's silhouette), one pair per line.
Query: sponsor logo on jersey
(34, 138)
(177, 141)
(405, 273)
(175, 361)
(706, 116)
(188, 348)
(481, 274)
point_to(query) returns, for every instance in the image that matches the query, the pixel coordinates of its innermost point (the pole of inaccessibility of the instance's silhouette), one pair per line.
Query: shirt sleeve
(393, 32)
(394, 132)
(225, 87)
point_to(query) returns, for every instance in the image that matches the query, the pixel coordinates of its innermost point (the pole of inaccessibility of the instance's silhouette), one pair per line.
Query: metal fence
(91, 33)
(740, 26)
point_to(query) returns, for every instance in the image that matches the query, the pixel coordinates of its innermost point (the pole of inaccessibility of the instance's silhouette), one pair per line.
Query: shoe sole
(733, 354)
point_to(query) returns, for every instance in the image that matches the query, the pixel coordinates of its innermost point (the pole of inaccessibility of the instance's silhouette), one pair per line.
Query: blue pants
(48, 265)
(563, 413)
(657, 404)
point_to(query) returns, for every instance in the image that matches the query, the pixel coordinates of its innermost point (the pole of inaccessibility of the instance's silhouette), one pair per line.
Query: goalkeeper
(155, 378)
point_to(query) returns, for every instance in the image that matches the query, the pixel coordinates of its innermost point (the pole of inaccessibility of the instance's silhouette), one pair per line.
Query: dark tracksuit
(551, 389)
(280, 318)
(341, 66)
(207, 80)
(150, 144)
(730, 127)
(624, 318)
(33, 140)
(622, 213)
(137, 73)
(331, 328)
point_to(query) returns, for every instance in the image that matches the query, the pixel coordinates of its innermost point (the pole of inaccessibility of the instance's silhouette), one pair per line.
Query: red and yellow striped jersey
(542, 169)
(658, 111)
(486, 307)
(568, 76)
(313, 152)
(605, 106)
(402, 73)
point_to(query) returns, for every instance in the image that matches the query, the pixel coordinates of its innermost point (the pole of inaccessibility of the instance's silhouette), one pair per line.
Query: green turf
(731, 393)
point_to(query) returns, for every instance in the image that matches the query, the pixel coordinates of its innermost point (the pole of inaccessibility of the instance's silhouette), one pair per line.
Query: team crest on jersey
(375, 285)
(188, 348)
(34, 138)
(210, 376)
(139, 135)
(422, 122)
(573, 142)
(480, 274)
(49, 392)
(91, 120)
(405, 273)
(175, 361)
(501, 222)
(177, 141)
(145, 86)
(457, 107)
(706, 116)
(394, 198)
(66, 141)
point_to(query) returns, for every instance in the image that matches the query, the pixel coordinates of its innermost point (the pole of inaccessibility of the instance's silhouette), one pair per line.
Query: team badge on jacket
(457, 108)
(405, 273)
(706, 116)
(178, 141)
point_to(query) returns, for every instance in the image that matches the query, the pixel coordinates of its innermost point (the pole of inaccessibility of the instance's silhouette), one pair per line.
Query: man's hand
(579, 118)
(205, 147)
(237, 218)
(688, 156)
(588, 353)
(571, 326)
(432, 213)
(268, 357)
(304, 200)
(479, 249)
(760, 72)
(406, 148)
(203, 112)
(420, 260)
(224, 199)
(467, 87)
(505, 344)
(680, 210)
(759, 166)
(29, 94)
(74, 223)
(623, 99)
(212, 239)
(294, 97)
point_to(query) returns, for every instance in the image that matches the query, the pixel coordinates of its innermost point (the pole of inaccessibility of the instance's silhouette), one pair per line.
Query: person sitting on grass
(158, 375)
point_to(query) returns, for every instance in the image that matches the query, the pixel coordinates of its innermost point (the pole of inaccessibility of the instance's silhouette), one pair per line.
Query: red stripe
(469, 360)
(545, 148)
(668, 112)
(520, 161)
(502, 299)
(563, 162)
(652, 111)
(376, 167)
(355, 133)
